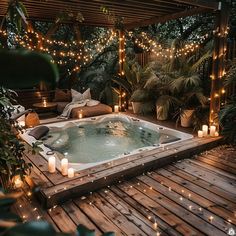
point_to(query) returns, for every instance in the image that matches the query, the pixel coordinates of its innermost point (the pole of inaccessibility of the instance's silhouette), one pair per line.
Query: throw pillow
(77, 96)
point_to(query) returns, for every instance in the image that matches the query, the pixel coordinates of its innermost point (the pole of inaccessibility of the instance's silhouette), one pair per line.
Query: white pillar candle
(116, 108)
(216, 134)
(71, 173)
(64, 166)
(205, 130)
(212, 130)
(200, 133)
(52, 164)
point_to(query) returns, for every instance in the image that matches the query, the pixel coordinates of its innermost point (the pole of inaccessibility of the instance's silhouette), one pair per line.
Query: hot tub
(104, 139)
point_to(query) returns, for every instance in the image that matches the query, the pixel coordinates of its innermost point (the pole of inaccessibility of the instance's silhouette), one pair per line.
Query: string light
(150, 45)
(84, 49)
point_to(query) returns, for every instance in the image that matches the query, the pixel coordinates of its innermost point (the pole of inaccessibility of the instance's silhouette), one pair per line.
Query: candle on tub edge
(71, 173)
(116, 108)
(64, 166)
(200, 133)
(205, 130)
(216, 134)
(52, 164)
(212, 130)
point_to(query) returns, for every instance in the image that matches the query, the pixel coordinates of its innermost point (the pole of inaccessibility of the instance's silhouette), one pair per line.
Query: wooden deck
(56, 188)
(195, 196)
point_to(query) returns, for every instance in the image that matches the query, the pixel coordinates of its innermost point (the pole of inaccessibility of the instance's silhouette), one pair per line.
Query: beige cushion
(100, 109)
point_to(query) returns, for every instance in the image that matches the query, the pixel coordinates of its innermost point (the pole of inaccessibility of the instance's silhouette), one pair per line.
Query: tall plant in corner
(11, 149)
(227, 115)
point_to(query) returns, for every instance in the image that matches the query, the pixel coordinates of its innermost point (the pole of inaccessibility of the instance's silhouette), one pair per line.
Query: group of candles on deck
(204, 131)
(70, 172)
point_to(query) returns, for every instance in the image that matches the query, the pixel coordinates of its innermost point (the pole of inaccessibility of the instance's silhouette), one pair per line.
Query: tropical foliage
(227, 115)
(11, 149)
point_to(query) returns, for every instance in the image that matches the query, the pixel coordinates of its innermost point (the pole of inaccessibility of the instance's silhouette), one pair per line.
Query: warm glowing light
(17, 181)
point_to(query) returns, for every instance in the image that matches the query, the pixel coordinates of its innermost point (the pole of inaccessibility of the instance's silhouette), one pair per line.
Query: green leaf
(33, 228)
(84, 231)
(29, 69)
(109, 234)
(7, 202)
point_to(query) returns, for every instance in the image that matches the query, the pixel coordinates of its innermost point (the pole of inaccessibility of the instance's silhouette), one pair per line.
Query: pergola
(141, 13)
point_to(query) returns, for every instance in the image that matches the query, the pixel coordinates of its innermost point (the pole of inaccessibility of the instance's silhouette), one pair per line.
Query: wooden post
(122, 95)
(220, 44)
(121, 52)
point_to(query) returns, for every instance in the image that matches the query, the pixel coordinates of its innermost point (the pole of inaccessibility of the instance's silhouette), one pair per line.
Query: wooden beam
(210, 4)
(163, 19)
(219, 52)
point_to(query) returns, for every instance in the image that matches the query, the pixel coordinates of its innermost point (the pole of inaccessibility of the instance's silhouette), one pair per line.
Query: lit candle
(64, 166)
(200, 133)
(205, 130)
(18, 182)
(52, 164)
(44, 99)
(116, 108)
(212, 130)
(71, 173)
(80, 114)
(216, 134)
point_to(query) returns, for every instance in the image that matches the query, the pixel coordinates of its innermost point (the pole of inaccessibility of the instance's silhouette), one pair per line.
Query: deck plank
(180, 208)
(130, 213)
(98, 218)
(184, 186)
(157, 208)
(203, 183)
(78, 216)
(220, 181)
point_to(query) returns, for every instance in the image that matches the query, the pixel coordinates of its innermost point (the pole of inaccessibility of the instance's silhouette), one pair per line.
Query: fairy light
(148, 44)
(211, 218)
(67, 54)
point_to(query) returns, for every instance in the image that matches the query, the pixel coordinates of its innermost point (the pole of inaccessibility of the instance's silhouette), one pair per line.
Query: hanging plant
(117, 21)
(17, 13)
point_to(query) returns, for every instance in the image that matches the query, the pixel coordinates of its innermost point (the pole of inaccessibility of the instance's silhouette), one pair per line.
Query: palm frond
(203, 58)
(191, 81)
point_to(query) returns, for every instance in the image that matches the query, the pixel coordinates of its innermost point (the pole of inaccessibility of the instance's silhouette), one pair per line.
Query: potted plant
(136, 77)
(159, 86)
(187, 88)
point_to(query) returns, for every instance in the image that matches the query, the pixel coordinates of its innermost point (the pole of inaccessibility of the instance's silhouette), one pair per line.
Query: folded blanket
(67, 110)
(69, 107)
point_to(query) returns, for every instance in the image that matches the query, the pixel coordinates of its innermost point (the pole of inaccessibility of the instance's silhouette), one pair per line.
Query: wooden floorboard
(195, 196)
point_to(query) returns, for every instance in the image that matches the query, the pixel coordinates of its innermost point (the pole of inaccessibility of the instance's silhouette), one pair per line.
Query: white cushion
(79, 97)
